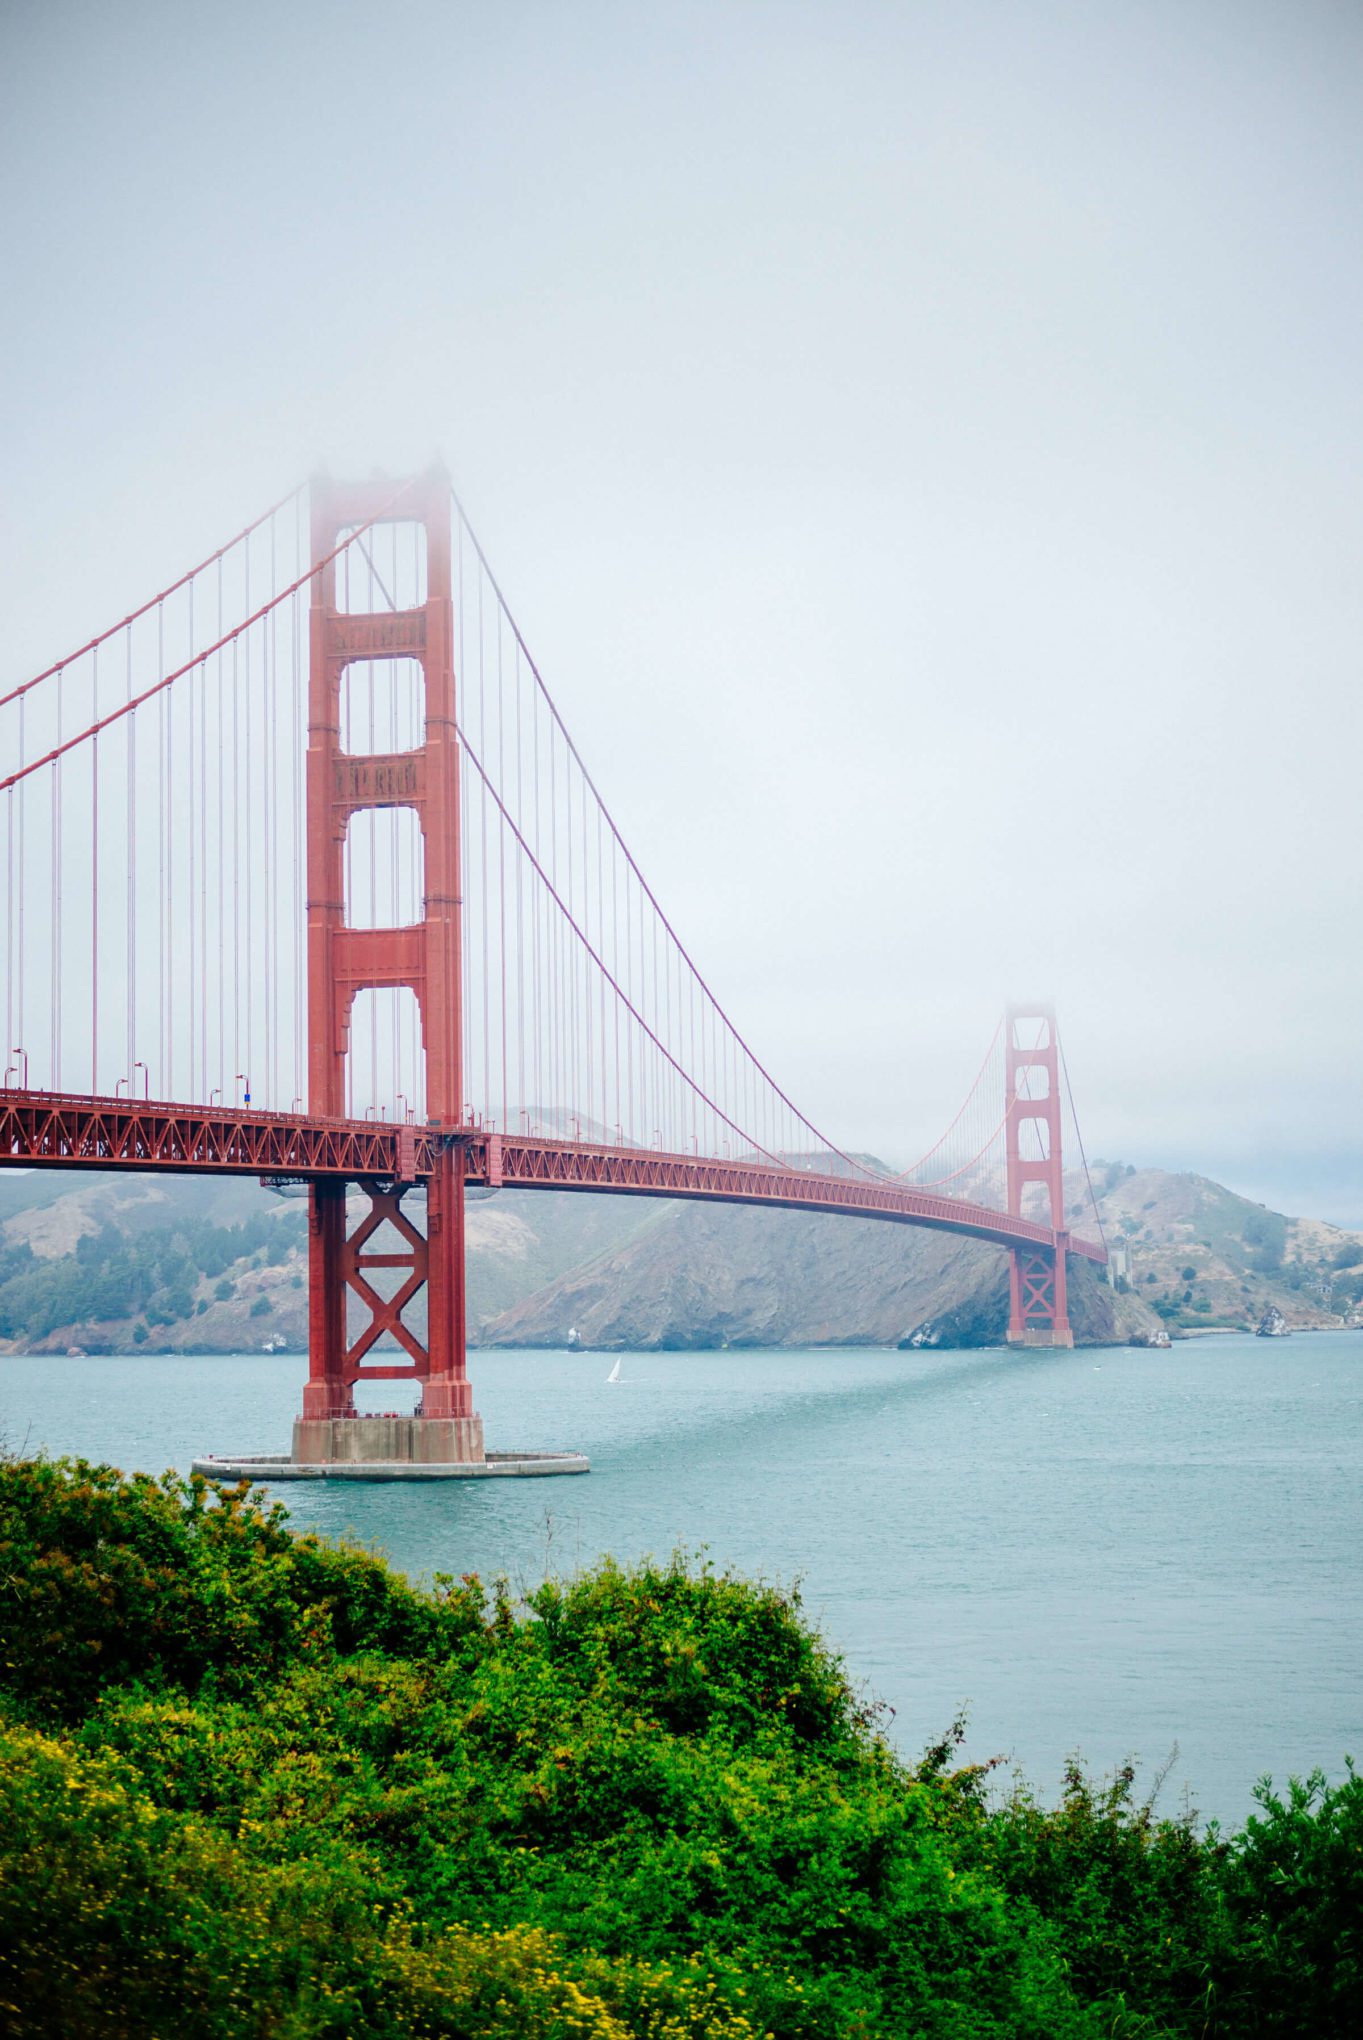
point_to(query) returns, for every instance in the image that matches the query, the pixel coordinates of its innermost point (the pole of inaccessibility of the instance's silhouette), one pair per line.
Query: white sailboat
(614, 1374)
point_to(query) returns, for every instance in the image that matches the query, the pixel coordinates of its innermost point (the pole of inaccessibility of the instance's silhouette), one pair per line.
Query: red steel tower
(342, 961)
(1038, 1312)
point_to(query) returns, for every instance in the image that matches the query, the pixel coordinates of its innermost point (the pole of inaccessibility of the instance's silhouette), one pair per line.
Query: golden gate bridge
(307, 879)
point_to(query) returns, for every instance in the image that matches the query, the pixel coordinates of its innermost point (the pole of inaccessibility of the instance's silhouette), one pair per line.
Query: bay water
(1115, 1553)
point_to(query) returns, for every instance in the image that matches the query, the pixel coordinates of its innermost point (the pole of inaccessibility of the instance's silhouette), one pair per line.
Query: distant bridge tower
(1038, 1303)
(424, 957)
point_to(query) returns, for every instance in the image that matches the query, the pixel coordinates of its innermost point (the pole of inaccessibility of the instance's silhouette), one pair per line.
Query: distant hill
(122, 1262)
(1202, 1256)
(1196, 1257)
(705, 1276)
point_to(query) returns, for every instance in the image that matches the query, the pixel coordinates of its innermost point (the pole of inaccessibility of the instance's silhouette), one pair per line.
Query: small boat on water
(614, 1374)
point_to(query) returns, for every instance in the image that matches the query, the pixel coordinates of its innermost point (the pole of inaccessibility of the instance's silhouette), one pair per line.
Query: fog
(922, 445)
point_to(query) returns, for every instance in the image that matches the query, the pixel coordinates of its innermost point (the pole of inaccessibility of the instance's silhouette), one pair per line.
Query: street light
(146, 1080)
(22, 1053)
(242, 1078)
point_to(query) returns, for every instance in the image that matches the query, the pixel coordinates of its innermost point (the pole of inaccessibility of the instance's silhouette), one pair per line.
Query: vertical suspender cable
(501, 866)
(520, 904)
(20, 1037)
(94, 887)
(246, 1066)
(297, 795)
(164, 879)
(191, 1029)
(486, 1100)
(131, 877)
(11, 923)
(57, 862)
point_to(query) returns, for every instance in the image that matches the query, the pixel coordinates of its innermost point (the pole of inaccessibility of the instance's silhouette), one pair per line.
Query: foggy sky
(922, 445)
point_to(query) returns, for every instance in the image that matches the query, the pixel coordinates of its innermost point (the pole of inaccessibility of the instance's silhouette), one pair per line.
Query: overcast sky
(921, 442)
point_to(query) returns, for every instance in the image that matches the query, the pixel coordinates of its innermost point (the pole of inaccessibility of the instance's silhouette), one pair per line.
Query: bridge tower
(344, 960)
(1038, 1304)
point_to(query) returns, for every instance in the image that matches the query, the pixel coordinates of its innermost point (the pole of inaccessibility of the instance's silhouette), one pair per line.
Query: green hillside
(119, 1262)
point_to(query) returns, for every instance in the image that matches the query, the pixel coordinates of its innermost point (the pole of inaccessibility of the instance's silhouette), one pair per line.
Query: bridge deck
(43, 1129)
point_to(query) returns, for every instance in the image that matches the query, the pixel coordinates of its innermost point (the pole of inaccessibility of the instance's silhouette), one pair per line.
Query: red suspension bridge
(307, 879)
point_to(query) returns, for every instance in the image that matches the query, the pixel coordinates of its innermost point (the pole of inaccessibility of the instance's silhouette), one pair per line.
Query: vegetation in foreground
(254, 1785)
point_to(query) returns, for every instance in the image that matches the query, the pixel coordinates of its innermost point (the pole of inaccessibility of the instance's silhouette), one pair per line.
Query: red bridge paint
(329, 1152)
(38, 1130)
(425, 957)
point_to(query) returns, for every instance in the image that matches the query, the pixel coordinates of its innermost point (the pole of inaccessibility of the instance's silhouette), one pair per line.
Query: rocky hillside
(709, 1276)
(118, 1263)
(1195, 1257)
(1201, 1256)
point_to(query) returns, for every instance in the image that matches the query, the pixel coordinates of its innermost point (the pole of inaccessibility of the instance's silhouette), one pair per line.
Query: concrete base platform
(444, 1441)
(273, 1467)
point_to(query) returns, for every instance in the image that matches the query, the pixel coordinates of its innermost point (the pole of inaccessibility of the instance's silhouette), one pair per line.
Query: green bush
(172, 1582)
(253, 1783)
(1294, 1885)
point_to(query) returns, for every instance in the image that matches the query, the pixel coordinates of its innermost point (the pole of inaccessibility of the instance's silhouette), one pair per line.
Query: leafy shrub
(1138, 1910)
(251, 1783)
(171, 1581)
(119, 1918)
(1294, 1887)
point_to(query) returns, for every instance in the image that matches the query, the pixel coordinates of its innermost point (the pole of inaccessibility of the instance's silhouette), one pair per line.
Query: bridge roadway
(46, 1129)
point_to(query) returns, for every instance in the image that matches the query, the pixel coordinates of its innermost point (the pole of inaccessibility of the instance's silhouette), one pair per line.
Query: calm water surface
(1109, 1552)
